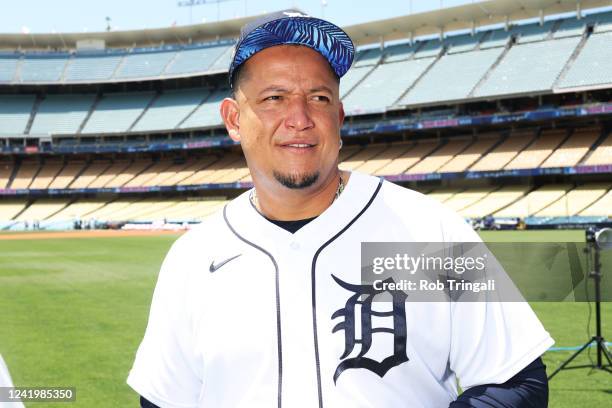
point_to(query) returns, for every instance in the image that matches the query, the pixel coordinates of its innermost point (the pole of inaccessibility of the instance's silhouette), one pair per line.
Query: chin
(297, 180)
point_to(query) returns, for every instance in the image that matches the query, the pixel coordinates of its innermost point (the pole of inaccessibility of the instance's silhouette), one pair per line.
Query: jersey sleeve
(490, 341)
(165, 370)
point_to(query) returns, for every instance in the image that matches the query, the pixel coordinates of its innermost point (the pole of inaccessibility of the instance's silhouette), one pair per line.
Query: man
(247, 307)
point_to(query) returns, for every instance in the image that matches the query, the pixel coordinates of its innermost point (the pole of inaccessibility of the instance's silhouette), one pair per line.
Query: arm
(527, 389)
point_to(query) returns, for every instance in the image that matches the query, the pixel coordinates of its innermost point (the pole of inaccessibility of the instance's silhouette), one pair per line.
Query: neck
(285, 204)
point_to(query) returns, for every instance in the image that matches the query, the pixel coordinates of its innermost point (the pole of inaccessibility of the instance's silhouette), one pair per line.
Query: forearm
(527, 389)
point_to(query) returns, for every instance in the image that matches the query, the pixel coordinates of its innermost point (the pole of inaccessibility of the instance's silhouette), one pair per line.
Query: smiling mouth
(299, 145)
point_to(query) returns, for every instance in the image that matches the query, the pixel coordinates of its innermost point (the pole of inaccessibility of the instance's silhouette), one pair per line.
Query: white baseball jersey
(246, 314)
(6, 381)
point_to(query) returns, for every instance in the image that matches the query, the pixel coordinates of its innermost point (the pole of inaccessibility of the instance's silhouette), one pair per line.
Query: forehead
(292, 60)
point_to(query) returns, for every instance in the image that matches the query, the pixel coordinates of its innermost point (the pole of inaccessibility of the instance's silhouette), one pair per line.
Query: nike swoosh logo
(214, 268)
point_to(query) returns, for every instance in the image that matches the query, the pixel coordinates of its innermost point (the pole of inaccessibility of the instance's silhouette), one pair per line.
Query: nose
(298, 115)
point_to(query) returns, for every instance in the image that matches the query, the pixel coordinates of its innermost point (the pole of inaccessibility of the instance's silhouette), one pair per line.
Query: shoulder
(417, 211)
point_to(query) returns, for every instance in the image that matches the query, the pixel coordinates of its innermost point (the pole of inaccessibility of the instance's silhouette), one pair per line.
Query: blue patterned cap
(294, 27)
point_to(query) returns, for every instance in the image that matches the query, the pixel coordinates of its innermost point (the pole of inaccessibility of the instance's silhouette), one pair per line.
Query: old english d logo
(367, 293)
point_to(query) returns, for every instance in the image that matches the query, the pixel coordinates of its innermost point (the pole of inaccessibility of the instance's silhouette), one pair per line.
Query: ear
(341, 114)
(230, 113)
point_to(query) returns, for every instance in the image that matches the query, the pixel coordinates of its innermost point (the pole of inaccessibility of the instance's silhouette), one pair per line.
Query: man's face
(289, 116)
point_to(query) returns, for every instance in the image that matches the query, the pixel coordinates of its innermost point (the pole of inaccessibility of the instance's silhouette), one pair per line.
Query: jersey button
(294, 245)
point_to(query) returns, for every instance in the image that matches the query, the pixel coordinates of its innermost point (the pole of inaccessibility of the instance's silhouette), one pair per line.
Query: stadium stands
(207, 113)
(573, 149)
(61, 114)
(91, 68)
(146, 98)
(46, 174)
(465, 199)
(543, 60)
(41, 209)
(602, 154)
(463, 160)
(395, 77)
(117, 112)
(538, 151)
(67, 174)
(169, 109)
(144, 65)
(493, 202)
(503, 153)
(574, 201)
(534, 201)
(196, 60)
(440, 82)
(110, 173)
(42, 68)
(603, 206)
(440, 157)
(8, 67)
(26, 172)
(6, 170)
(593, 65)
(15, 111)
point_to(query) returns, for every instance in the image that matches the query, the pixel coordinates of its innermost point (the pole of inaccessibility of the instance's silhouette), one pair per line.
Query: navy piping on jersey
(278, 315)
(313, 281)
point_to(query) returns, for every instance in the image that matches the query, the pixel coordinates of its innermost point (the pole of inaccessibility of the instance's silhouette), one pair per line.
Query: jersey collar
(252, 226)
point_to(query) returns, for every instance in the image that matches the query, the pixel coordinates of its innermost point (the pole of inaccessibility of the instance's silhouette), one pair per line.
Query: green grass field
(74, 311)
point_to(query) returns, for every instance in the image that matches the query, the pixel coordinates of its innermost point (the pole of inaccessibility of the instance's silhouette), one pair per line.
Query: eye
(321, 98)
(273, 98)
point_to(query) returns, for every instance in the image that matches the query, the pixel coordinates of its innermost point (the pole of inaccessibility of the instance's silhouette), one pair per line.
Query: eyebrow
(278, 88)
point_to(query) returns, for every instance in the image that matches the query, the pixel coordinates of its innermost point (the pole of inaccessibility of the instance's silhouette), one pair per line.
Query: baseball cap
(294, 27)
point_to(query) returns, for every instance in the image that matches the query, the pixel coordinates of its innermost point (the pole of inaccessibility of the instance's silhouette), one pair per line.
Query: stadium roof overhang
(479, 13)
(465, 17)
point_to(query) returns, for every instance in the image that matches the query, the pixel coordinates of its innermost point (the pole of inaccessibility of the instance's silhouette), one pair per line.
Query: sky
(48, 16)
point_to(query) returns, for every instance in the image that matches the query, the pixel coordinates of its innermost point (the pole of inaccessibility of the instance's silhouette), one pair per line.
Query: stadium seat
(144, 64)
(463, 160)
(534, 201)
(440, 157)
(92, 171)
(42, 68)
(359, 159)
(67, 174)
(493, 202)
(440, 82)
(61, 114)
(503, 153)
(46, 174)
(117, 112)
(15, 111)
(110, 173)
(395, 78)
(196, 60)
(352, 78)
(92, 67)
(592, 66)
(25, 174)
(601, 207)
(8, 67)
(170, 109)
(465, 199)
(574, 201)
(573, 149)
(41, 209)
(602, 154)
(538, 151)
(375, 164)
(9, 209)
(207, 114)
(6, 170)
(544, 60)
